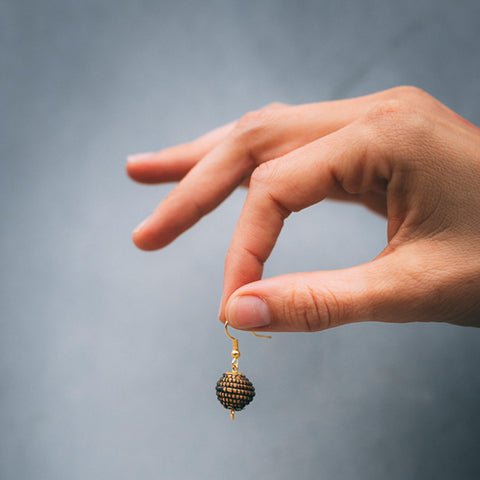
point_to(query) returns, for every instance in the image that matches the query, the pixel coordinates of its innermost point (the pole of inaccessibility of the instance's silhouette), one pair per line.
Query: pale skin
(400, 153)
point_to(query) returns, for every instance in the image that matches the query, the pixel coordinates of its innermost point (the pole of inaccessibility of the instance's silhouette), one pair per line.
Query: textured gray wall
(109, 355)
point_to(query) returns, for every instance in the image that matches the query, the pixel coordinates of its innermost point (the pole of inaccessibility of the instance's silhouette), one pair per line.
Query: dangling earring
(234, 390)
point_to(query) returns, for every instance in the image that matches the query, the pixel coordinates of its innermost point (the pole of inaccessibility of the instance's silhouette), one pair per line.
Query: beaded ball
(235, 391)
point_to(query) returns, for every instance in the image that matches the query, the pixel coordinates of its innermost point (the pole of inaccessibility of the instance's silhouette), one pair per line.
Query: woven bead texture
(235, 391)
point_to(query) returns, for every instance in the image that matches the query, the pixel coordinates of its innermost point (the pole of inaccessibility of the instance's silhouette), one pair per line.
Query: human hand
(399, 152)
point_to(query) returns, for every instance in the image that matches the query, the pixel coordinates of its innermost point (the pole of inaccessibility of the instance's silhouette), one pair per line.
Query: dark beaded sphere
(235, 391)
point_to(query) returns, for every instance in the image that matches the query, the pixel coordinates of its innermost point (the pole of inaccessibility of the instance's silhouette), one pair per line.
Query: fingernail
(139, 157)
(248, 312)
(140, 226)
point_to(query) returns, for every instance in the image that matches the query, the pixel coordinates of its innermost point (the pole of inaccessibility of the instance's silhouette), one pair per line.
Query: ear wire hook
(258, 335)
(242, 392)
(252, 332)
(235, 349)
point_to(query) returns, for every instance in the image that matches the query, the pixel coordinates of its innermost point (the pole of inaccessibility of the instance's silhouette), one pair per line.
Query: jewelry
(234, 390)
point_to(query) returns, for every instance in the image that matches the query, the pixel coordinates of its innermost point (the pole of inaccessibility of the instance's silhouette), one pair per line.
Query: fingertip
(139, 157)
(138, 167)
(138, 240)
(248, 312)
(144, 238)
(129, 170)
(142, 244)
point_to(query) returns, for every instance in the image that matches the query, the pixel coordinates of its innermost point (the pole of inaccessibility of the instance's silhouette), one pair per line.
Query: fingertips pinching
(248, 312)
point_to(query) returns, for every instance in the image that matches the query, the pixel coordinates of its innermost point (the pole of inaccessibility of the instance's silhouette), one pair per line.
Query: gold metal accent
(252, 332)
(236, 355)
(260, 336)
(226, 331)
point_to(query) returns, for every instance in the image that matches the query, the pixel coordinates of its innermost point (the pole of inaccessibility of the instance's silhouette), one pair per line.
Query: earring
(234, 390)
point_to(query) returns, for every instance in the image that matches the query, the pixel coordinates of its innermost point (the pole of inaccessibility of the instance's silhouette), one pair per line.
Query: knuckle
(254, 121)
(274, 106)
(397, 121)
(266, 179)
(328, 307)
(408, 92)
(250, 120)
(313, 309)
(251, 132)
(387, 111)
(262, 175)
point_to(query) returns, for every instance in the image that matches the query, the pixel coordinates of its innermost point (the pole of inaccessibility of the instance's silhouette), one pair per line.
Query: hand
(399, 152)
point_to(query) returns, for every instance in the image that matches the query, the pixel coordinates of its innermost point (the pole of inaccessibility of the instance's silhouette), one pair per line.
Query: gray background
(109, 355)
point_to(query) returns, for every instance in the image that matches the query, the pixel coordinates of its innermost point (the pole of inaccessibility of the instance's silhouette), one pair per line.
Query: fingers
(306, 301)
(417, 282)
(299, 156)
(172, 164)
(291, 183)
(205, 186)
(381, 290)
(256, 138)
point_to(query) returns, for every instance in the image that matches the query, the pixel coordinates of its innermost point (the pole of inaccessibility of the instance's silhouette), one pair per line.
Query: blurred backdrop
(109, 355)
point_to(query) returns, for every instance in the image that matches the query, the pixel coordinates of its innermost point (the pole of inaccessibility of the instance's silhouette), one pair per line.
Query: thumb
(382, 290)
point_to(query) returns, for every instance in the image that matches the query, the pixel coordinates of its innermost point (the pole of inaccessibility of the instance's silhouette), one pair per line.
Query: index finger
(257, 138)
(291, 183)
(207, 184)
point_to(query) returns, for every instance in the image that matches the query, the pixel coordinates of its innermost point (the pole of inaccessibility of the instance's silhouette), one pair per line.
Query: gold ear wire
(260, 336)
(226, 331)
(234, 389)
(252, 332)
